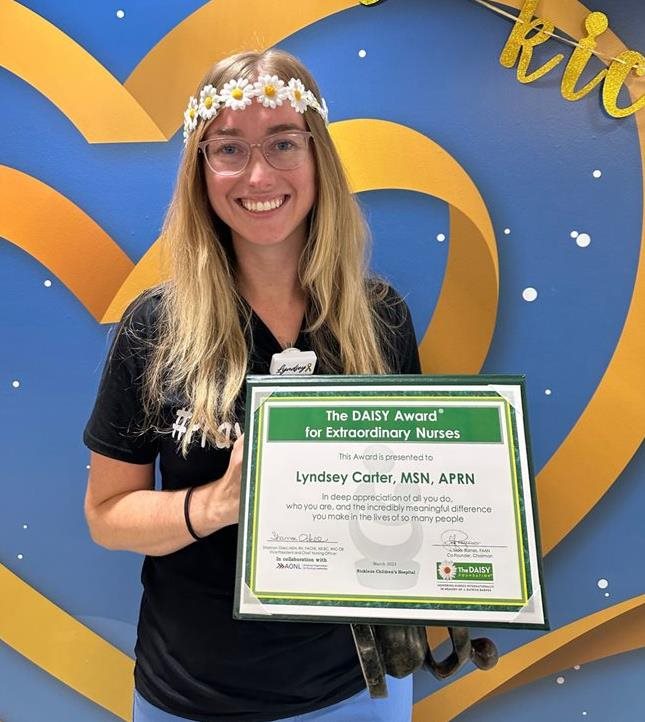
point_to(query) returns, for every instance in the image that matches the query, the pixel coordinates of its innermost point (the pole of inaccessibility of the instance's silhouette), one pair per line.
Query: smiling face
(261, 205)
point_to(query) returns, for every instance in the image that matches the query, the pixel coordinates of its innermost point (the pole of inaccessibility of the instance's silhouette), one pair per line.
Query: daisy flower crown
(269, 90)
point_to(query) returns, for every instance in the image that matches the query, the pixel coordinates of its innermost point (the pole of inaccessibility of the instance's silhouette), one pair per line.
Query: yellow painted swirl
(58, 234)
(378, 154)
(56, 642)
(65, 73)
(617, 629)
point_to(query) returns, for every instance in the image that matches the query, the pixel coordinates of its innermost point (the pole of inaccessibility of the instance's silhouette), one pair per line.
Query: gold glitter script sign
(528, 32)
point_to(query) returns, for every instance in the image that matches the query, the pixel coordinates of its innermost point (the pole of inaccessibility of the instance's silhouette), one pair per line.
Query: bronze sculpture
(399, 650)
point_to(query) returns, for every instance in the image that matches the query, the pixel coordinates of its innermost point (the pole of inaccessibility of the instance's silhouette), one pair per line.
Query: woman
(267, 251)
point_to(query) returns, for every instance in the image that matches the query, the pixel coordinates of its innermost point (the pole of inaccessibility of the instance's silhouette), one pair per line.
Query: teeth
(262, 205)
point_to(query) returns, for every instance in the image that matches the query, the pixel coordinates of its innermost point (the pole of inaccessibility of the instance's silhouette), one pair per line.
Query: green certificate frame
(389, 499)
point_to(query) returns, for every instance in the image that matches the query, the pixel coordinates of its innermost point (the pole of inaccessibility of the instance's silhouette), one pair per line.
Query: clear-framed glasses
(226, 155)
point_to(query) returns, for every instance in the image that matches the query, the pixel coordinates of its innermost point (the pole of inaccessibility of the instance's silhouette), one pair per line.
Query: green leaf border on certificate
(317, 384)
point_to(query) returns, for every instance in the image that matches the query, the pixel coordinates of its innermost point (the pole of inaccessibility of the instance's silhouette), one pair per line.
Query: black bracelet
(189, 526)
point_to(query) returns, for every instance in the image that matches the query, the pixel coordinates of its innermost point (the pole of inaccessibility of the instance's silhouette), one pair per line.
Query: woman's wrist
(187, 519)
(210, 509)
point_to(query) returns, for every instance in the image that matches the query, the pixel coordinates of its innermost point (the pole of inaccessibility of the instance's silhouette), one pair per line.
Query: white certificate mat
(389, 499)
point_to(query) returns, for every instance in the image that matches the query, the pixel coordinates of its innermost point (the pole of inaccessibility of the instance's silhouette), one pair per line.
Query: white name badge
(292, 362)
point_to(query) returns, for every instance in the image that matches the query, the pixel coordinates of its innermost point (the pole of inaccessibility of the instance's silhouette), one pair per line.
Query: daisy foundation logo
(464, 571)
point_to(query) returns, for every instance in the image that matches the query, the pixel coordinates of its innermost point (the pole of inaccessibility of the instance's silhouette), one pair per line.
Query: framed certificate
(389, 499)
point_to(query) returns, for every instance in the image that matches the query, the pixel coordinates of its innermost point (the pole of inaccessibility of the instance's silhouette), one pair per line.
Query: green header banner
(474, 423)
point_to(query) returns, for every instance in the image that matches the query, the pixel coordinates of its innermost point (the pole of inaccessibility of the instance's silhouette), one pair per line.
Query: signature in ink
(302, 537)
(457, 537)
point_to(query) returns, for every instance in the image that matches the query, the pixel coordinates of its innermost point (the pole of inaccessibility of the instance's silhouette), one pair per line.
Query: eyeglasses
(230, 156)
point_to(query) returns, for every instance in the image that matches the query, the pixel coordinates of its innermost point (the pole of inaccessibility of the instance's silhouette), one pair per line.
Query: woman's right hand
(223, 503)
(124, 511)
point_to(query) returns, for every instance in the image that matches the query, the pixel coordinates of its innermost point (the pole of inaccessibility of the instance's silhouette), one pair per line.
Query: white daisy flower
(237, 94)
(297, 95)
(190, 117)
(324, 110)
(447, 570)
(270, 91)
(312, 101)
(209, 102)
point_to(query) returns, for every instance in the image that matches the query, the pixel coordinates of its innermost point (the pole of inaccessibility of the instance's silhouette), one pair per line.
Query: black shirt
(192, 658)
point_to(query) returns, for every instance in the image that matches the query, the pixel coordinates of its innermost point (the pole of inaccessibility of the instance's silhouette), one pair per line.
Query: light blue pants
(396, 707)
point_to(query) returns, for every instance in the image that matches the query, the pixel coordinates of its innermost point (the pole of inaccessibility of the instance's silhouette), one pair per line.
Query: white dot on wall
(603, 584)
(507, 231)
(560, 680)
(441, 237)
(597, 173)
(584, 714)
(547, 392)
(576, 666)
(25, 526)
(88, 466)
(15, 384)
(574, 234)
(47, 283)
(362, 53)
(120, 14)
(606, 594)
(20, 556)
(529, 294)
(583, 240)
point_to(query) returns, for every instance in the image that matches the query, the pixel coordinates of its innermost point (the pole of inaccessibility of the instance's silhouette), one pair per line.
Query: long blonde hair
(200, 352)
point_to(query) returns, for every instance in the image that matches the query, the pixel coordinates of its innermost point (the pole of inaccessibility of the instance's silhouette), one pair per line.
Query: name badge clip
(293, 362)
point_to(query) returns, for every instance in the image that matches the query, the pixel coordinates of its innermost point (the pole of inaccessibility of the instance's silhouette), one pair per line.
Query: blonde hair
(200, 351)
